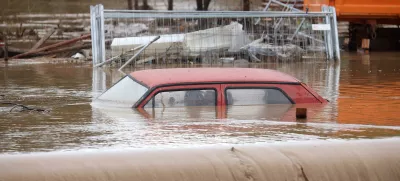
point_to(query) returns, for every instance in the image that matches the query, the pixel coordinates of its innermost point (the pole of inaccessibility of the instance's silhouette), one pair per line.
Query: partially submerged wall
(323, 160)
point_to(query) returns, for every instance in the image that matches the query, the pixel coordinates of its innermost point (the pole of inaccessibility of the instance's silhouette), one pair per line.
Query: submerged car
(180, 87)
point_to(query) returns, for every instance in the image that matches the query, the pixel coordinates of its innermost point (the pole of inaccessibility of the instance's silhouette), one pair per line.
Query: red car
(181, 87)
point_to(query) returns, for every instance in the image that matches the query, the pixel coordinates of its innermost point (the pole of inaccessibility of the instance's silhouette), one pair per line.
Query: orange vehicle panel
(370, 9)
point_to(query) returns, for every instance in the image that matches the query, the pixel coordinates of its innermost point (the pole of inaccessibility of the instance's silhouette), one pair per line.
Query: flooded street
(363, 90)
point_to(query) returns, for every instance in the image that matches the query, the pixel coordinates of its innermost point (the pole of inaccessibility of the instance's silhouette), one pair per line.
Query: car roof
(157, 77)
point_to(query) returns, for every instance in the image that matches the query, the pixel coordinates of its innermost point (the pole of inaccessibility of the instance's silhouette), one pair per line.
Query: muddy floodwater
(363, 90)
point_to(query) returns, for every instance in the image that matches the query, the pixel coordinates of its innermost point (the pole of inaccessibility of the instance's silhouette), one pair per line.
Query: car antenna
(137, 54)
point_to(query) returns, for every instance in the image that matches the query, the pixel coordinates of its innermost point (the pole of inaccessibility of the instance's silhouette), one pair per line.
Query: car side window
(255, 96)
(183, 98)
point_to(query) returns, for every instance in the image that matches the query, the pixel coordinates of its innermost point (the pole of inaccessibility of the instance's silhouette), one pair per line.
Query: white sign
(321, 27)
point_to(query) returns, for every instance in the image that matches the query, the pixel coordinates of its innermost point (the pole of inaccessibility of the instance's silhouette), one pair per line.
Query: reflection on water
(364, 94)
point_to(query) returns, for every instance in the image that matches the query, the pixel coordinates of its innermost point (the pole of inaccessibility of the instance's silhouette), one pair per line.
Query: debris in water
(78, 56)
(266, 49)
(23, 107)
(53, 49)
(227, 59)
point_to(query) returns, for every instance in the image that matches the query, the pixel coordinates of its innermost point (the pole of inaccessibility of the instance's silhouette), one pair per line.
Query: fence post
(98, 76)
(98, 34)
(102, 42)
(335, 33)
(328, 33)
(93, 30)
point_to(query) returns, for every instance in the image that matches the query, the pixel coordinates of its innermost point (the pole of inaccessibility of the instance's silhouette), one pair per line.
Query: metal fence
(213, 37)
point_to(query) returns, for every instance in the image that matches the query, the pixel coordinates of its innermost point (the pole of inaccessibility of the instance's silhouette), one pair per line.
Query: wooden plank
(67, 42)
(68, 49)
(44, 39)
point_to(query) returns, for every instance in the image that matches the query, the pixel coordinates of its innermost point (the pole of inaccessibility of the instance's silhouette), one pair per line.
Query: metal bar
(214, 15)
(287, 8)
(93, 30)
(265, 9)
(308, 36)
(102, 35)
(208, 13)
(98, 82)
(277, 24)
(113, 58)
(140, 51)
(328, 37)
(297, 29)
(267, 6)
(180, 11)
(336, 34)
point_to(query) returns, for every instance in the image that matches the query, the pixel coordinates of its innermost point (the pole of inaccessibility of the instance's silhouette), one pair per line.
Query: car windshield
(126, 92)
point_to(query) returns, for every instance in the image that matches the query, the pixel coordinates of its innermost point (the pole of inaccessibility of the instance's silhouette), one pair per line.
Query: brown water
(364, 92)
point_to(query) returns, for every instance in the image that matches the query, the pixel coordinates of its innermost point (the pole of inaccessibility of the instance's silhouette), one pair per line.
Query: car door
(255, 101)
(190, 101)
(268, 101)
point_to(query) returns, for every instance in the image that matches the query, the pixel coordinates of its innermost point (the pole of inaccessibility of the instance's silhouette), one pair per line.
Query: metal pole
(219, 14)
(98, 82)
(308, 36)
(265, 9)
(267, 6)
(113, 58)
(328, 34)
(335, 33)
(102, 35)
(140, 51)
(93, 30)
(297, 29)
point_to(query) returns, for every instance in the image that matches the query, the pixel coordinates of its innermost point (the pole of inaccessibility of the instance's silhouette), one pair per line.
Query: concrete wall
(318, 160)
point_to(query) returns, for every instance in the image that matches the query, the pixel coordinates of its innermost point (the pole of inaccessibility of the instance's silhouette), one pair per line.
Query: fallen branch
(31, 52)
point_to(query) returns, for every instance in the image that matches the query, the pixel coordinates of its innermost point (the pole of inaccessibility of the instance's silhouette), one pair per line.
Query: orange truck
(360, 10)
(363, 17)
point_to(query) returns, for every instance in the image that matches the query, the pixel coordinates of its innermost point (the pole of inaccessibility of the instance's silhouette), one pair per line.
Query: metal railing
(213, 36)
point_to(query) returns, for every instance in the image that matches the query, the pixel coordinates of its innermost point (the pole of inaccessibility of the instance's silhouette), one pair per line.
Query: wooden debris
(68, 49)
(57, 45)
(44, 39)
